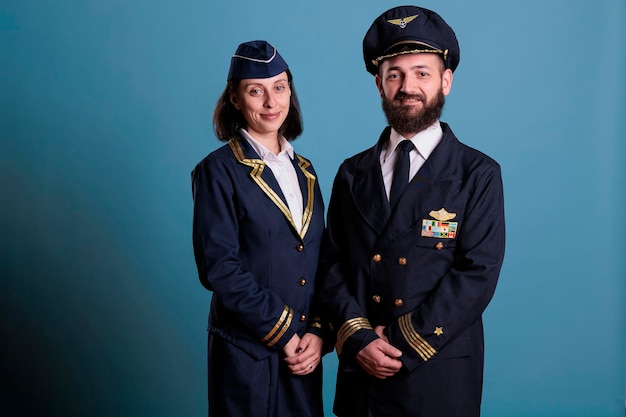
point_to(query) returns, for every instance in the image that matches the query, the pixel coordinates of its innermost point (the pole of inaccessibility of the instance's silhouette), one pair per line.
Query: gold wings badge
(402, 22)
(442, 215)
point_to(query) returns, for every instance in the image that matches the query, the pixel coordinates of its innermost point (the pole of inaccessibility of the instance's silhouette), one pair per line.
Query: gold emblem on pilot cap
(442, 215)
(403, 21)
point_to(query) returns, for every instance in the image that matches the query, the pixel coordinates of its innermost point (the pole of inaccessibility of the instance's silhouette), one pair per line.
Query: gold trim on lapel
(310, 186)
(258, 165)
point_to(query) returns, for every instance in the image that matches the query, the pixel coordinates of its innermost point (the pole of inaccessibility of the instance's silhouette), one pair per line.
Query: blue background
(105, 107)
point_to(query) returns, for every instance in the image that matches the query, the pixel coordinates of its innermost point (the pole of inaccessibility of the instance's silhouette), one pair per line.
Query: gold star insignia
(438, 331)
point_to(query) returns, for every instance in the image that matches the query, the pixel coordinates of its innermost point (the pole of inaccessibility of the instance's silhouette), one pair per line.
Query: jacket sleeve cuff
(404, 336)
(280, 334)
(325, 332)
(353, 336)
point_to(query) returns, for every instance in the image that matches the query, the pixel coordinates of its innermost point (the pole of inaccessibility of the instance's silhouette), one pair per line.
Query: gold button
(439, 246)
(402, 261)
(377, 257)
(376, 298)
(398, 302)
(303, 318)
(300, 247)
(302, 282)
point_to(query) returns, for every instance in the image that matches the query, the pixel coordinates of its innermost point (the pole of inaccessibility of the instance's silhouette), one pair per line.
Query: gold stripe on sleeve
(277, 326)
(417, 342)
(349, 328)
(282, 331)
(316, 322)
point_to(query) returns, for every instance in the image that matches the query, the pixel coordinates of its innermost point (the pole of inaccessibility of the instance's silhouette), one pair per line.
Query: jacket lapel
(266, 181)
(306, 179)
(368, 189)
(425, 192)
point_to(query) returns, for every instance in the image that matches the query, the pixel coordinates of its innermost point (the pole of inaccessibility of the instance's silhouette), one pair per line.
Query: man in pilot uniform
(409, 268)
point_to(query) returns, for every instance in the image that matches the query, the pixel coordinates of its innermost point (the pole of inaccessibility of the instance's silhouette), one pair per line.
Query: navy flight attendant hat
(409, 30)
(256, 59)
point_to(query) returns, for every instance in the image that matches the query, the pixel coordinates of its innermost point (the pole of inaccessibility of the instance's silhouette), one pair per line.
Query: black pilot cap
(408, 30)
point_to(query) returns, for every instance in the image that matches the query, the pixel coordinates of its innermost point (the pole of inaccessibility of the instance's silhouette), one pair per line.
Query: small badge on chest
(440, 225)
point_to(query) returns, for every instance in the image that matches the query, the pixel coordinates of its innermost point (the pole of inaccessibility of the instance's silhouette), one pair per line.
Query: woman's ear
(233, 100)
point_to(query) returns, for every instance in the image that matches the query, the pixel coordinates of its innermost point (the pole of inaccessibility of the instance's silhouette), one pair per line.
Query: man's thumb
(391, 351)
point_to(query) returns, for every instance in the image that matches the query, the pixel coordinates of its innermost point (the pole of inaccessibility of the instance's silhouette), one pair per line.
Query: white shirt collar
(264, 153)
(425, 141)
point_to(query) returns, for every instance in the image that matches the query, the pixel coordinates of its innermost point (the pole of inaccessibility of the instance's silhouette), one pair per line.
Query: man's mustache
(402, 96)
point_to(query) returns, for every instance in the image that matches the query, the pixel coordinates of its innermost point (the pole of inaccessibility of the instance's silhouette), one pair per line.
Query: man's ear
(446, 81)
(379, 84)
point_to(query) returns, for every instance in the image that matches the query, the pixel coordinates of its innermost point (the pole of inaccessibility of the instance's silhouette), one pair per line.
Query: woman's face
(264, 103)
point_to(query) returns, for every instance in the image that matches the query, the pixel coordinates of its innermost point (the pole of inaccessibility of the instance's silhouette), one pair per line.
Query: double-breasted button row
(398, 302)
(300, 247)
(378, 257)
(302, 282)
(303, 317)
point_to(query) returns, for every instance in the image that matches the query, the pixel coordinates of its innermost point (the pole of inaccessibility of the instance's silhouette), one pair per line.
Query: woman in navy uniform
(410, 266)
(257, 225)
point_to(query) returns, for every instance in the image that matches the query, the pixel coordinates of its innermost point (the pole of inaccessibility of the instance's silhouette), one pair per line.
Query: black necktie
(401, 172)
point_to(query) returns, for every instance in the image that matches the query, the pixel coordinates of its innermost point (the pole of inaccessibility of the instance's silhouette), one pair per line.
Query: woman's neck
(270, 141)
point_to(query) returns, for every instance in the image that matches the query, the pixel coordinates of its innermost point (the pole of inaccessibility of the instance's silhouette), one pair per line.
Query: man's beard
(408, 121)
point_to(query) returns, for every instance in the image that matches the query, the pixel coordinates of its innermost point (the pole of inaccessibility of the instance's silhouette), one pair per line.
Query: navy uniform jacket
(426, 271)
(262, 272)
(248, 252)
